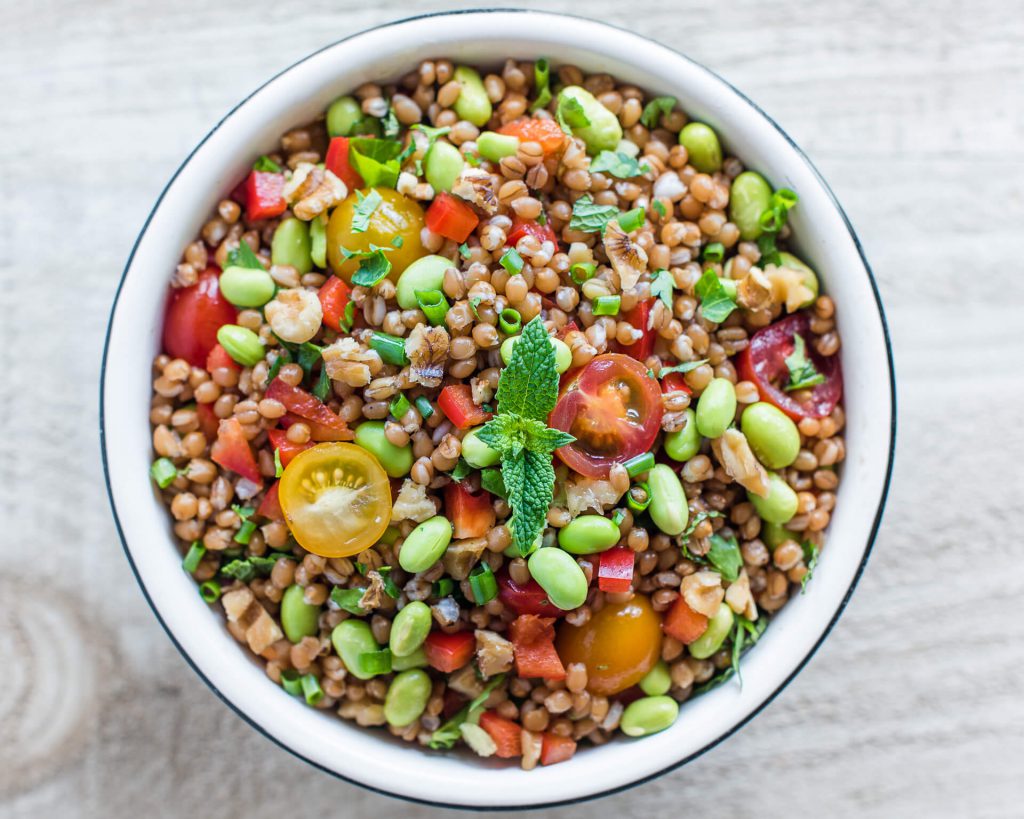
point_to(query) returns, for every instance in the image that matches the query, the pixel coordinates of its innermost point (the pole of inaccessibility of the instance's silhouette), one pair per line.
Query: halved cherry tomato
(533, 640)
(613, 407)
(452, 218)
(270, 506)
(764, 363)
(449, 652)
(334, 297)
(336, 499)
(232, 451)
(219, 358)
(456, 402)
(505, 733)
(555, 748)
(264, 195)
(286, 449)
(528, 598)
(472, 515)
(675, 382)
(337, 162)
(193, 317)
(618, 645)
(683, 623)
(547, 132)
(324, 425)
(615, 569)
(542, 233)
(639, 317)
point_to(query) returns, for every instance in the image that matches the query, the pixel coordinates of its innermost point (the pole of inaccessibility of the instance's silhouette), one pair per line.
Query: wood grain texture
(913, 111)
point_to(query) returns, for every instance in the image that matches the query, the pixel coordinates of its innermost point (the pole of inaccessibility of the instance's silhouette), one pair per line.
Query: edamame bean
(318, 241)
(342, 116)
(684, 443)
(291, 245)
(473, 104)
(496, 147)
(716, 408)
(396, 460)
(702, 146)
(749, 197)
(775, 533)
(409, 628)
(246, 286)
(418, 659)
(781, 503)
(352, 639)
(477, 454)
(563, 355)
(657, 681)
(771, 433)
(423, 274)
(442, 165)
(560, 576)
(425, 544)
(718, 629)
(588, 534)
(810, 277)
(298, 618)
(407, 697)
(668, 507)
(241, 343)
(604, 131)
(648, 715)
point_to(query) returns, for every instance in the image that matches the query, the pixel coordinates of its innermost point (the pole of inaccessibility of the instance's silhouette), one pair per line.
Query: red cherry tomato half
(613, 407)
(194, 315)
(639, 317)
(764, 363)
(675, 382)
(542, 233)
(528, 598)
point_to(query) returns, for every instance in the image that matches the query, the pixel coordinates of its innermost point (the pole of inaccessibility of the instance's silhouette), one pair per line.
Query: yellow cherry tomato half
(336, 499)
(396, 215)
(618, 645)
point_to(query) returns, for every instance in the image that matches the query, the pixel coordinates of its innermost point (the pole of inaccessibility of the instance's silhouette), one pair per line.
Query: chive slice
(714, 252)
(291, 681)
(399, 406)
(618, 516)
(641, 463)
(639, 497)
(390, 348)
(483, 584)
(164, 472)
(582, 272)
(376, 662)
(607, 305)
(193, 556)
(244, 533)
(210, 591)
(311, 689)
(443, 587)
(433, 304)
(512, 261)
(424, 406)
(631, 220)
(510, 321)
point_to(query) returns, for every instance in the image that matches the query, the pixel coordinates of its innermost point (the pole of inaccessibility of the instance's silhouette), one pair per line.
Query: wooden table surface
(912, 110)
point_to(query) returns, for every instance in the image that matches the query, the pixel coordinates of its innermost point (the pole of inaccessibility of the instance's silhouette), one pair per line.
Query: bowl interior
(372, 758)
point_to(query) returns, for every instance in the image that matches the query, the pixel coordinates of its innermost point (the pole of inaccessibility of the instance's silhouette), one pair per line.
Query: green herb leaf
(802, 372)
(569, 114)
(725, 556)
(618, 164)
(278, 466)
(251, 567)
(588, 217)
(376, 160)
(242, 256)
(542, 83)
(715, 302)
(348, 600)
(685, 367)
(696, 521)
(390, 587)
(662, 287)
(365, 206)
(811, 555)
(464, 250)
(448, 734)
(768, 250)
(528, 386)
(530, 480)
(653, 111)
(389, 124)
(266, 165)
(350, 316)
(373, 268)
(491, 480)
(659, 208)
(322, 389)
(461, 470)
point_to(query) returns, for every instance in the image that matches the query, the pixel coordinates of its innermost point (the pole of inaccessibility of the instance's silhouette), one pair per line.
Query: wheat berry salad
(493, 410)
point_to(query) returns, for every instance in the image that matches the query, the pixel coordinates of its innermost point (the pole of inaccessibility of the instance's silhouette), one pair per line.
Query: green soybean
(496, 147)
(418, 659)
(810, 277)
(718, 629)
(563, 355)
(291, 245)
(702, 145)
(771, 433)
(780, 505)
(473, 104)
(409, 628)
(560, 577)
(423, 274)
(246, 286)
(425, 544)
(342, 116)
(775, 533)
(604, 131)
(298, 618)
(648, 715)
(657, 681)
(352, 639)
(749, 197)
(668, 507)
(396, 460)
(442, 165)
(242, 344)
(318, 241)
(684, 443)
(407, 697)
(716, 408)
(588, 534)
(477, 454)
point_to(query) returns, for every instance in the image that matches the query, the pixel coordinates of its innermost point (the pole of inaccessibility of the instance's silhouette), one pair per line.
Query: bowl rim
(872, 534)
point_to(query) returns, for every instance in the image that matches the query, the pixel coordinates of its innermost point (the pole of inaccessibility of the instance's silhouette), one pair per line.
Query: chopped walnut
(427, 348)
(530, 744)
(740, 599)
(754, 291)
(311, 191)
(478, 739)
(374, 594)
(259, 627)
(788, 287)
(589, 493)
(476, 186)
(466, 682)
(294, 315)
(350, 362)
(703, 592)
(412, 503)
(628, 259)
(445, 611)
(734, 453)
(302, 182)
(482, 390)
(463, 555)
(494, 654)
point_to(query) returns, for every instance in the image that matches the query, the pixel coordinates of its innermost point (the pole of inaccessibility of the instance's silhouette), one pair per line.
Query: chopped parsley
(802, 372)
(569, 113)
(588, 217)
(618, 164)
(661, 287)
(364, 208)
(654, 110)
(716, 305)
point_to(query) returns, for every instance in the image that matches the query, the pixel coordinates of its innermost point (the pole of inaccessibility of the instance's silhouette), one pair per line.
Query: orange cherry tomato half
(613, 407)
(618, 645)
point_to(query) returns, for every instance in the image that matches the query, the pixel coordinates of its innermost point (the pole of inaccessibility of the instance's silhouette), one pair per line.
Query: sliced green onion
(291, 681)
(483, 584)
(631, 220)
(376, 662)
(639, 497)
(512, 261)
(785, 197)
(311, 689)
(641, 463)
(542, 84)
(399, 406)
(443, 587)
(210, 591)
(164, 472)
(714, 252)
(424, 406)
(193, 556)
(607, 305)
(619, 516)
(348, 600)
(244, 533)
(582, 271)
(510, 321)
(390, 348)
(772, 220)
(433, 304)
(278, 466)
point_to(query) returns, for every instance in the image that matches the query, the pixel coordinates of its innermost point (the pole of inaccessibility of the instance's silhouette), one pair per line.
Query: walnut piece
(294, 315)
(628, 259)
(703, 592)
(754, 291)
(494, 654)
(374, 594)
(427, 348)
(589, 493)
(476, 186)
(733, 451)
(463, 555)
(259, 627)
(739, 597)
(351, 363)
(412, 503)
(788, 287)
(311, 191)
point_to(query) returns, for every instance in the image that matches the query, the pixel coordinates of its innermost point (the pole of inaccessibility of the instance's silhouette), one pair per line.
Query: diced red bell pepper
(507, 735)
(542, 233)
(264, 195)
(683, 623)
(456, 402)
(450, 217)
(471, 514)
(324, 425)
(555, 748)
(546, 132)
(639, 317)
(615, 570)
(334, 296)
(287, 449)
(208, 420)
(533, 641)
(675, 382)
(270, 506)
(232, 451)
(449, 652)
(219, 359)
(337, 162)
(526, 598)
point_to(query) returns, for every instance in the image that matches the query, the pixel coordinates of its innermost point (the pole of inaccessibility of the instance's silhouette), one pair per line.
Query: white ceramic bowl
(372, 758)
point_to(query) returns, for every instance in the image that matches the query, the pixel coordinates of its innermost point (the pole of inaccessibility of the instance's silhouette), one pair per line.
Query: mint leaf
(389, 124)
(250, 567)
(547, 440)
(373, 267)
(588, 217)
(365, 206)
(491, 480)
(725, 556)
(802, 372)
(618, 164)
(242, 256)
(461, 470)
(530, 480)
(661, 288)
(569, 113)
(376, 160)
(654, 110)
(528, 386)
(714, 301)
